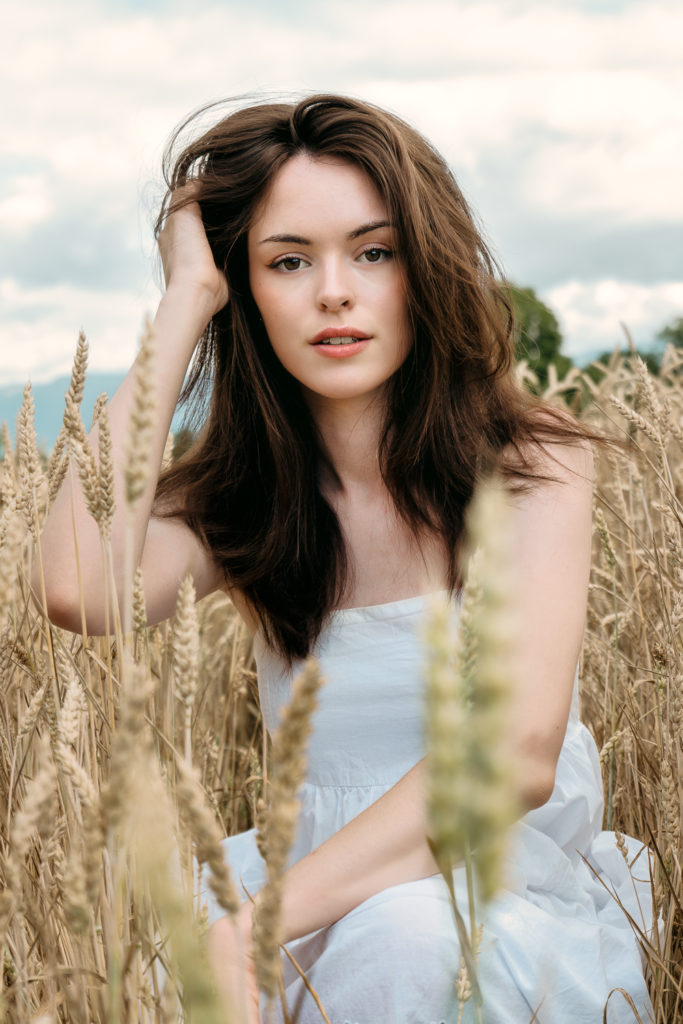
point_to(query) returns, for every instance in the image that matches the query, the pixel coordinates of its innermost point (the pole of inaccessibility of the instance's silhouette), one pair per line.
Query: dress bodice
(369, 722)
(368, 728)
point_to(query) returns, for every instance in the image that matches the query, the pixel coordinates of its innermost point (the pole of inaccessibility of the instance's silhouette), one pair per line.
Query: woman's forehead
(316, 193)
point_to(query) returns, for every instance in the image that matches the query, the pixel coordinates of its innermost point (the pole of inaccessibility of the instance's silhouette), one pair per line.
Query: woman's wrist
(198, 302)
(181, 319)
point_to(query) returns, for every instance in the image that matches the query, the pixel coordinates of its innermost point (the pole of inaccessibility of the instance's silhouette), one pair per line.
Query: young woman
(356, 347)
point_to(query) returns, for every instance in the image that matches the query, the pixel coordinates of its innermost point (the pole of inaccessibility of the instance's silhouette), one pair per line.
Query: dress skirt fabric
(555, 941)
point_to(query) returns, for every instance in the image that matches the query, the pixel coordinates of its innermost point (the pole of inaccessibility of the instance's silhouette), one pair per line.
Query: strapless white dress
(555, 939)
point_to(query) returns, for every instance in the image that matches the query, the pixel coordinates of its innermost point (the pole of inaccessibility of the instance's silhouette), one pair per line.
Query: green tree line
(538, 338)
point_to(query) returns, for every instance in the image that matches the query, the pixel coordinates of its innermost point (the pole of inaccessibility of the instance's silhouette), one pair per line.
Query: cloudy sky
(562, 120)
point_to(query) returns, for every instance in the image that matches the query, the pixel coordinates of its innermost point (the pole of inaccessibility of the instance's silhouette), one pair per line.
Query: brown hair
(249, 486)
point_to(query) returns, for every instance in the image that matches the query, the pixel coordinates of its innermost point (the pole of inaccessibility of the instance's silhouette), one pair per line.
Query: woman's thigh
(394, 959)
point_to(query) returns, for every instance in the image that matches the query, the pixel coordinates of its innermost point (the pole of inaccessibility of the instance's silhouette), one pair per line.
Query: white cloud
(39, 328)
(550, 108)
(619, 148)
(26, 202)
(499, 37)
(591, 315)
(603, 88)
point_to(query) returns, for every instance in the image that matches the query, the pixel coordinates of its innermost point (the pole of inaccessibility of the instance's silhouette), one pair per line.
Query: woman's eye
(376, 255)
(288, 263)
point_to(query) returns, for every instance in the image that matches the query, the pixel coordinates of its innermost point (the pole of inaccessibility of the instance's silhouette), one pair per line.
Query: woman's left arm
(386, 844)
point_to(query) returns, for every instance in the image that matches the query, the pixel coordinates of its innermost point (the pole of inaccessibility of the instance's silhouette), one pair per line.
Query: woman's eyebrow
(364, 229)
(372, 225)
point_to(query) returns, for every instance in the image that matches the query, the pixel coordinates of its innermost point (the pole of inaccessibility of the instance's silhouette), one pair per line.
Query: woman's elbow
(536, 774)
(536, 789)
(60, 610)
(535, 754)
(63, 607)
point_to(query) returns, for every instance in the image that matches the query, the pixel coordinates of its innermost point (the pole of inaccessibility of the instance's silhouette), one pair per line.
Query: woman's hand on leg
(230, 956)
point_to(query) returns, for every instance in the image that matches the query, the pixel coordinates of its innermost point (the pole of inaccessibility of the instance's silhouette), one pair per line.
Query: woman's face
(327, 281)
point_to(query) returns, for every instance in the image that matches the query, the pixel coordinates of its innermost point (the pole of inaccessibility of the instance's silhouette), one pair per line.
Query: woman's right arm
(166, 549)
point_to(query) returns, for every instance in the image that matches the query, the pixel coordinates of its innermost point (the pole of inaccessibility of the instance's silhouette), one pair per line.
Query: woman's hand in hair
(186, 255)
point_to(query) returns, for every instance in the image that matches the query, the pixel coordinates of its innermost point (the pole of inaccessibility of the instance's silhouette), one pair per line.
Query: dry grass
(632, 671)
(93, 924)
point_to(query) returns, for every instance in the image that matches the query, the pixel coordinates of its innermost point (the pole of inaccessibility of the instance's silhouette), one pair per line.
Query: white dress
(554, 937)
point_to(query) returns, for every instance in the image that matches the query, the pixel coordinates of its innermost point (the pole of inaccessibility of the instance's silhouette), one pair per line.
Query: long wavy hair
(249, 485)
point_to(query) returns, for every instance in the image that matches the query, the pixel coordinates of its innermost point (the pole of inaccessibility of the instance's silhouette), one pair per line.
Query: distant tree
(672, 334)
(651, 360)
(182, 441)
(538, 338)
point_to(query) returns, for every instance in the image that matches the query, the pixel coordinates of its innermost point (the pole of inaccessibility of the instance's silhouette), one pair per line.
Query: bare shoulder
(557, 460)
(551, 513)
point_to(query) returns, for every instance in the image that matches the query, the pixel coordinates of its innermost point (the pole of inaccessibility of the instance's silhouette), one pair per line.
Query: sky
(562, 121)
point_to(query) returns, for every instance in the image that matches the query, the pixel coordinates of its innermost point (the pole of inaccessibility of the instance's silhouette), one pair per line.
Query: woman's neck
(349, 433)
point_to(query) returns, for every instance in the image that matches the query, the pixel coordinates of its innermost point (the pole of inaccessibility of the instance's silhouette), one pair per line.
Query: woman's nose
(335, 289)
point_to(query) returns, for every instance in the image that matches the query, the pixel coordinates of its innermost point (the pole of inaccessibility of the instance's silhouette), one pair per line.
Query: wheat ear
(31, 476)
(36, 814)
(141, 425)
(105, 481)
(470, 798)
(186, 654)
(58, 464)
(149, 832)
(6, 440)
(80, 447)
(27, 446)
(11, 542)
(136, 467)
(288, 770)
(138, 686)
(207, 837)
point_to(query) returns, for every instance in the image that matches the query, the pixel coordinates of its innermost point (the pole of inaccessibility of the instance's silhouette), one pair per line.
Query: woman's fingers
(186, 255)
(233, 970)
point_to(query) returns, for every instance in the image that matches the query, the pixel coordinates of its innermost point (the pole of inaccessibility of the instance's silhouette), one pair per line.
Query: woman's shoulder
(555, 448)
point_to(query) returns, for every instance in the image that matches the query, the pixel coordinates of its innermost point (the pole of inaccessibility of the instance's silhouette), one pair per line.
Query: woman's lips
(331, 335)
(342, 351)
(340, 342)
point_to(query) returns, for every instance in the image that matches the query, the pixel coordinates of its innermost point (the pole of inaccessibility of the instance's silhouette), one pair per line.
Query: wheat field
(125, 759)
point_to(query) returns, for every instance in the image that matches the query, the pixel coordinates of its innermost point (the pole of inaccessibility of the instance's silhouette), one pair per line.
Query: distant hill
(49, 402)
